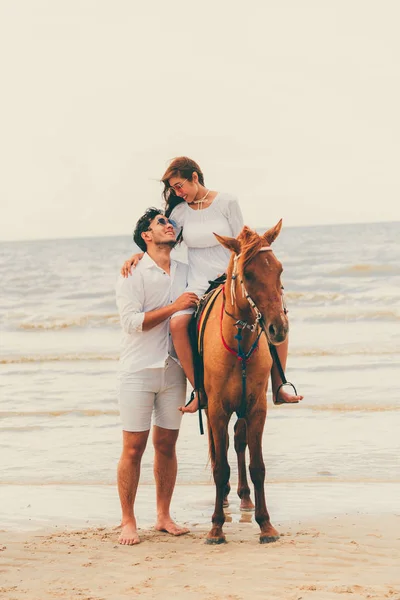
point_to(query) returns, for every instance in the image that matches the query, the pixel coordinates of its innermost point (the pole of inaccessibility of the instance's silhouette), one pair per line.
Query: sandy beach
(353, 557)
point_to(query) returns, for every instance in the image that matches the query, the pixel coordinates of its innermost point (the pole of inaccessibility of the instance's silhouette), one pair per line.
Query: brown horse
(249, 306)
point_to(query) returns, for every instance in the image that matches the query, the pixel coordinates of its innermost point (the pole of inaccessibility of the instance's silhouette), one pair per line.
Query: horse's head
(254, 280)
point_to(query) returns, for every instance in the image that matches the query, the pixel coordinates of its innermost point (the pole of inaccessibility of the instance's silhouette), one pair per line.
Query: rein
(240, 353)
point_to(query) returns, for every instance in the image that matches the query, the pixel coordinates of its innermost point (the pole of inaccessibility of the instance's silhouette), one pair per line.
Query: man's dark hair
(143, 225)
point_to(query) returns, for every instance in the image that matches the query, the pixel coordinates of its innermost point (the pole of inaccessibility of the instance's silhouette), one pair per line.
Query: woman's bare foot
(285, 397)
(129, 535)
(192, 407)
(169, 526)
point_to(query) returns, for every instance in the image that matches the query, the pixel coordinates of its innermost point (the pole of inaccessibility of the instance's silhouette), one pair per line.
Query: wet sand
(342, 557)
(38, 507)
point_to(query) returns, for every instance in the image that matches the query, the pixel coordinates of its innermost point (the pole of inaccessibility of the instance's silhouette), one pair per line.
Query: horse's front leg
(221, 472)
(257, 472)
(212, 458)
(243, 489)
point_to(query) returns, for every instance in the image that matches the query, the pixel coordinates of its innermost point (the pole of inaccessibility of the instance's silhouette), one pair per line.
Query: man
(151, 381)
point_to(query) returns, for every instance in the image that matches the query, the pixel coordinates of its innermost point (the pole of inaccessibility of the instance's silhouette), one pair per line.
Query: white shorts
(157, 392)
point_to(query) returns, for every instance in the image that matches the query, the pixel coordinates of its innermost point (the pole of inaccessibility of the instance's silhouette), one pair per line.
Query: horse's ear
(229, 242)
(271, 235)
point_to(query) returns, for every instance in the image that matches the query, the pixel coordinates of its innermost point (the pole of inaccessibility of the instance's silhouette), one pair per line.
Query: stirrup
(278, 402)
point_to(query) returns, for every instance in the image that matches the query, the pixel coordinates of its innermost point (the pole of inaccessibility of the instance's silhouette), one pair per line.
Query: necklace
(201, 200)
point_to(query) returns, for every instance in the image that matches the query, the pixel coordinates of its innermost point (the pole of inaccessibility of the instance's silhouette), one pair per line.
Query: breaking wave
(352, 315)
(92, 320)
(59, 413)
(362, 270)
(92, 356)
(56, 358)
(345, 352)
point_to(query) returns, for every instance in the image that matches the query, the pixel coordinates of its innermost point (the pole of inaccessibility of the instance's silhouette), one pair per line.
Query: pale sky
(292, 105)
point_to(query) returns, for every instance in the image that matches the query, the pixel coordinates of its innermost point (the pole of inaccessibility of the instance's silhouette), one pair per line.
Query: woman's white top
(206, 257)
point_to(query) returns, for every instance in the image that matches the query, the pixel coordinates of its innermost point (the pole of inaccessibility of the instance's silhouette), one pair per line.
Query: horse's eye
(248, 275)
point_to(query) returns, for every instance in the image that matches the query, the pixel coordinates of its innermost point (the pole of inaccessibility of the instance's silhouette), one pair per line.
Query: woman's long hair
(180, 167)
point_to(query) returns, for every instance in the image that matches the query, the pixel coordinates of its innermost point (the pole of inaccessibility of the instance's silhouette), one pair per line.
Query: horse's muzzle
(277, 330)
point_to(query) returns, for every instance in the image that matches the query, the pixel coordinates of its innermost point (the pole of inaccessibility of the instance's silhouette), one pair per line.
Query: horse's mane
(250, 243)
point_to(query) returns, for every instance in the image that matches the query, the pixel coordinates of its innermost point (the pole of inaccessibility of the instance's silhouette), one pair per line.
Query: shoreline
(353, 556)
(38, 507)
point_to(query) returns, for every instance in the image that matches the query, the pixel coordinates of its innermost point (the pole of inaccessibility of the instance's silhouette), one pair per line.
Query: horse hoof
(268, 539)
(214, 541)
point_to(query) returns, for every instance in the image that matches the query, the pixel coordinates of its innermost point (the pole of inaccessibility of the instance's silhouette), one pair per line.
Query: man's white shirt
(148, 288)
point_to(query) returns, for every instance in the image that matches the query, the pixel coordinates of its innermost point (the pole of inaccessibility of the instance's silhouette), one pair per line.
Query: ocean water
(59, 426)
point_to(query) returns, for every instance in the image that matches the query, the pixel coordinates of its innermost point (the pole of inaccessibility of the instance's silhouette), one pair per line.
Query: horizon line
(97, 236)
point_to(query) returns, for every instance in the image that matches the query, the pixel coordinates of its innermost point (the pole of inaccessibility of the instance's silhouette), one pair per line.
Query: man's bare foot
(129, 535)
(169, 526)
(285, 397)
(192, 407)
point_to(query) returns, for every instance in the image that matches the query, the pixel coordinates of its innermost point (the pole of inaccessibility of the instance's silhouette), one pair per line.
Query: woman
(198, 212)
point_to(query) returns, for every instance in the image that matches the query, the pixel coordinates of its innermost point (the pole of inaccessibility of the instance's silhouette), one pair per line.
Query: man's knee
(165, 442)
(133, 453)
(165, 450)
(134, 445)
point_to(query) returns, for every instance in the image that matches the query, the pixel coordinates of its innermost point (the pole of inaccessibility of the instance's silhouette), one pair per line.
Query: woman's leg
(179, 327)
(284, 395)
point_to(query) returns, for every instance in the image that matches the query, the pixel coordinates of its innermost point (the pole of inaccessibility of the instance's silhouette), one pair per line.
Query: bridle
(259, 321)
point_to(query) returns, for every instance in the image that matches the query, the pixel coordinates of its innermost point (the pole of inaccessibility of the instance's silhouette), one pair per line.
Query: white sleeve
(130, 302)
(235, 217)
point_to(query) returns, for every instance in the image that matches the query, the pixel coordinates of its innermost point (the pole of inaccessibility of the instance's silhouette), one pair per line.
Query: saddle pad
(196, 334)
(202, 314)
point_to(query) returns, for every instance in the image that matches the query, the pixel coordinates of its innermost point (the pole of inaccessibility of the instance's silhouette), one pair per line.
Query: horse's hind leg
(257, 473)
(227, 490)
(221, 472)
(243, 489)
